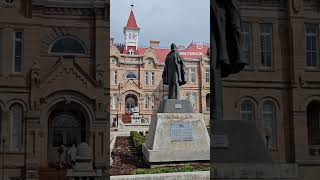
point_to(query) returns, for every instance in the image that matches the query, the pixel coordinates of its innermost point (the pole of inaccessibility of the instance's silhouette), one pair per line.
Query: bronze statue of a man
(174, 72)
(225, 52)
(226, 27)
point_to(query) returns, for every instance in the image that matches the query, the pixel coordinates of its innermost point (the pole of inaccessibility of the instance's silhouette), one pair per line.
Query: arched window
(131, 76)
(115, 102)
(313, 120)
(146, 102)
(152, 78)
(152, 102)
(113, 60)
(269, 122)
(67, 45)
(16, 126)
(150, 61)
(247, 111)
(188, 97)
(146, 75)
(194, 100)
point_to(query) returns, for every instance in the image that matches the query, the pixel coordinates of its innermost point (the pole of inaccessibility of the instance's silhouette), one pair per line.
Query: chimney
(154, 44)
(181, 47)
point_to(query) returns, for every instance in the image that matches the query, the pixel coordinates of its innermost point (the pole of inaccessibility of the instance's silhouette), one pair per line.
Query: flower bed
(128, 159)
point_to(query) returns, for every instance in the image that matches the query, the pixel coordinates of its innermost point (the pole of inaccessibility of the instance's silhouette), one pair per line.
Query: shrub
(138, 140)
(186, 168)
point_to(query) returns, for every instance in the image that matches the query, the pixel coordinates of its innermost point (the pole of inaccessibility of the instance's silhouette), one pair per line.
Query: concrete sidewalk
(198, 175)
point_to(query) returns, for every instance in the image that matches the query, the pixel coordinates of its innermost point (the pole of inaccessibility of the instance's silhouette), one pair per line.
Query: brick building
(279, 90)
(52, 81)
(136, 78)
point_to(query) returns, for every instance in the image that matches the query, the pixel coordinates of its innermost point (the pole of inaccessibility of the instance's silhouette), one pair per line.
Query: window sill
(14, 151)
(266, 69)
(312, 69)
(17, 74)
(248, 68)
(273, 149)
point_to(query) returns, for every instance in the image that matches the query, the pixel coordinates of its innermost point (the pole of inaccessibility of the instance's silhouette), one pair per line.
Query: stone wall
(255, 171)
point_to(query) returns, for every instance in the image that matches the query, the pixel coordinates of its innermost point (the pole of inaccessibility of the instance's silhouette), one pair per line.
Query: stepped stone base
(176, 137)
(254, 171)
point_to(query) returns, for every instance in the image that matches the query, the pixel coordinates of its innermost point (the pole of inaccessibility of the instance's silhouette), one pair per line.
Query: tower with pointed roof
(131, 32)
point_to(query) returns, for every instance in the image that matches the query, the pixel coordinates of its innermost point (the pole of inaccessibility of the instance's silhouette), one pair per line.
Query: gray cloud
(179, 21)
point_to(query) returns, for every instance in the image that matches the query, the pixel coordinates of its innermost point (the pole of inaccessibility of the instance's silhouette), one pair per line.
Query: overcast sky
(179, 21)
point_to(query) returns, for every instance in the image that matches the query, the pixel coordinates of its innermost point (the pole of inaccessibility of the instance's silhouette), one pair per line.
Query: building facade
(52, 84)
(136, 78)
(279, 90)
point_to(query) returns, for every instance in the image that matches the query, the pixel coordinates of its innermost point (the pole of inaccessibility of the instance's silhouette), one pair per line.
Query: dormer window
(131, 76)
(150, 61)
(67, 46)
(113, 60)
(131, 52)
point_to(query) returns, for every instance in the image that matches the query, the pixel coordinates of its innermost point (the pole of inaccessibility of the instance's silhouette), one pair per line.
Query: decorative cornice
(67, 11)
(70, 4)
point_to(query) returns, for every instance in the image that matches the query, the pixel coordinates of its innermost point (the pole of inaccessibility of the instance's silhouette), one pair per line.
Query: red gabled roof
(132, 21)
(160, 53)
(193, 51)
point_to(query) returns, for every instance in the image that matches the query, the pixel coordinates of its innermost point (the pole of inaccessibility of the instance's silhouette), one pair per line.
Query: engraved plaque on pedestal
(178, 106)
(176, 134)
(220, 141)
(181, 132)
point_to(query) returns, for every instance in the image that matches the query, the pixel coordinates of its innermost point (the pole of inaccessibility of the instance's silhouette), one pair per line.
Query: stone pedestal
(176, 134)
(254, 171)
(236, 141)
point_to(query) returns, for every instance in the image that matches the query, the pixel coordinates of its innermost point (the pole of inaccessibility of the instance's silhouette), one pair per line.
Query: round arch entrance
(67, 126)
(130, 102)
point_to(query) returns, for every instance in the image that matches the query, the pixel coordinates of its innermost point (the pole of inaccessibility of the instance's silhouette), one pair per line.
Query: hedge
(138, 140)
(185, 168)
